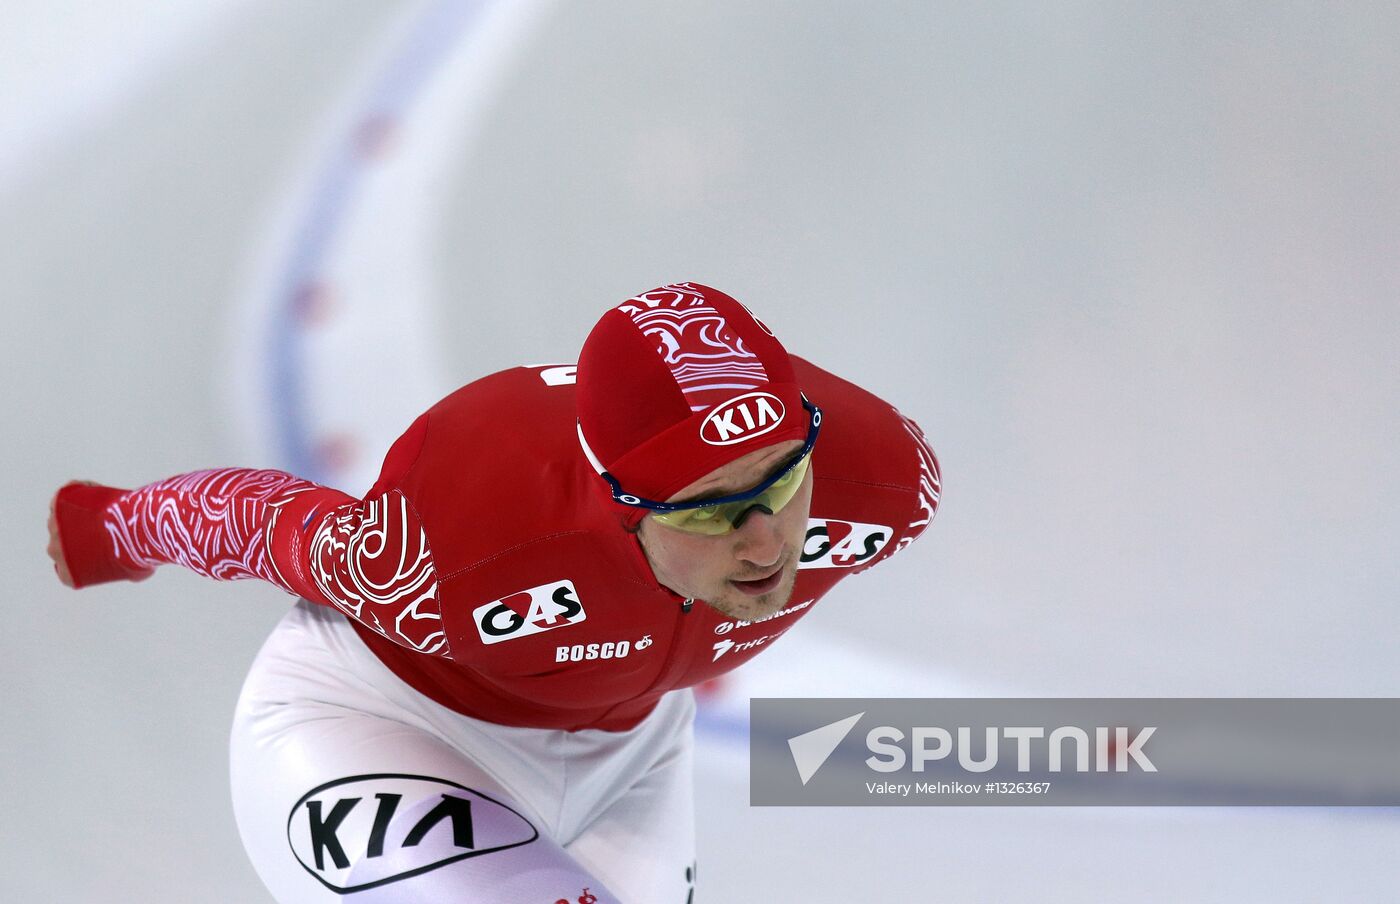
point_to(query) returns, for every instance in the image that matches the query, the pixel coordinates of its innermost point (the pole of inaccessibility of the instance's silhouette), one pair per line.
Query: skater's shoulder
(528, 389)
(497, 463)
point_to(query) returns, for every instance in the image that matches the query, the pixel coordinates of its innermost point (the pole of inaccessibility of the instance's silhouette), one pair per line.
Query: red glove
(82, 550)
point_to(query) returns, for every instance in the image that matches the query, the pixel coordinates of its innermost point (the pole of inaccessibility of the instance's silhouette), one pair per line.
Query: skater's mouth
(762, 585)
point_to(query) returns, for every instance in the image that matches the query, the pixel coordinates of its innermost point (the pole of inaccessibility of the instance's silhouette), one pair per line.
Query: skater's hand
(85, 505)
(55, 550)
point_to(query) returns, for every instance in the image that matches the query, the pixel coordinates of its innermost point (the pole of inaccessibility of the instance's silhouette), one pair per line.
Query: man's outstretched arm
(368, 558)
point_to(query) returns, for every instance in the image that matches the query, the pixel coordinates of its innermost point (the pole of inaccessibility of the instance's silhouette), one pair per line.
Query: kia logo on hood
(742, 418)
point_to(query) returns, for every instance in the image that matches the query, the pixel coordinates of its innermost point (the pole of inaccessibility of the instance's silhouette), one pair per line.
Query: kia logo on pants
(369, 830)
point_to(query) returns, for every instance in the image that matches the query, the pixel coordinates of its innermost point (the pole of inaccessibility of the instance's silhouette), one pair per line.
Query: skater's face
(749, 572)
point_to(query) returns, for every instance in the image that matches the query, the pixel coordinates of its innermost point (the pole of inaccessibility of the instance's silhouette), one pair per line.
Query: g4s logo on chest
(528, 612)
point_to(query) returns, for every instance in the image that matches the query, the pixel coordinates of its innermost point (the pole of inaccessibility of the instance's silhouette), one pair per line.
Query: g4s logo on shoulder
(842, 544)
(528, 612)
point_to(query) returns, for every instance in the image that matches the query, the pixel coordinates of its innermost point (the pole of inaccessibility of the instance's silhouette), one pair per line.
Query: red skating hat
(677, 382)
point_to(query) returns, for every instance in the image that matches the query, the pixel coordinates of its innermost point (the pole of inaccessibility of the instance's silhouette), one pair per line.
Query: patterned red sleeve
(930, 484)
(925, 495)
(367, 558)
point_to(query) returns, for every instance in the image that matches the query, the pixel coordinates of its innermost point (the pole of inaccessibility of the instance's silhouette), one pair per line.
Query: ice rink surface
(1133, 270)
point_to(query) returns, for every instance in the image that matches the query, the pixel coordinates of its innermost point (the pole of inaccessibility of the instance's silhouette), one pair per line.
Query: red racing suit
(488, 568)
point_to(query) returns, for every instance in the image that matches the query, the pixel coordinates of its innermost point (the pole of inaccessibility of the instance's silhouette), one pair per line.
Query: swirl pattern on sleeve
(371, 560)
(368, 559)
(930, 484)
(211, 522)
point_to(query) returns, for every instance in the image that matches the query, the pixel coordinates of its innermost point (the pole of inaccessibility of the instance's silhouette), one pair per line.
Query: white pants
(348, 785)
